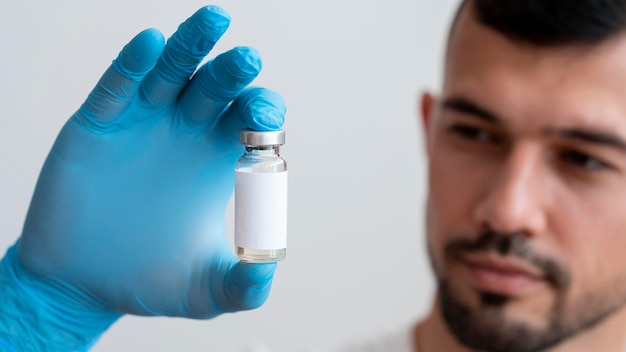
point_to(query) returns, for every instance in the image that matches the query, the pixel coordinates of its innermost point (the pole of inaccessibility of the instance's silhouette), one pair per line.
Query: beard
(487, 326)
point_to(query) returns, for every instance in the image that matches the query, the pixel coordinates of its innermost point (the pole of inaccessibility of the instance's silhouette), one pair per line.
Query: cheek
(457, 182)
(590, 231)
(600, 252)
(456, 185)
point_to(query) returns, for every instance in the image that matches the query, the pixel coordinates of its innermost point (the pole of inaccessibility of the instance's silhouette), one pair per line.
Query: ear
(427, 109)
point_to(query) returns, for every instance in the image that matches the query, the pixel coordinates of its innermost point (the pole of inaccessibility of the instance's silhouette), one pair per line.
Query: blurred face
(527, 202)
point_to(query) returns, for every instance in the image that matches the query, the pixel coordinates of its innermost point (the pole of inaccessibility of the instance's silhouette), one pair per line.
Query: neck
(432, 335)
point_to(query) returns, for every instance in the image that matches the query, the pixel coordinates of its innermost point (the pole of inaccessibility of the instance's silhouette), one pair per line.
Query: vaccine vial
(261, 198)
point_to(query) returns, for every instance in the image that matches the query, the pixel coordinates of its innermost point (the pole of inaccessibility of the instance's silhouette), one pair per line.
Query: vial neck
(262, 151)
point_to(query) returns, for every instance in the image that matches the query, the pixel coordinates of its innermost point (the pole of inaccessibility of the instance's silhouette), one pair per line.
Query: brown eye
(474, 133)
(583, 161)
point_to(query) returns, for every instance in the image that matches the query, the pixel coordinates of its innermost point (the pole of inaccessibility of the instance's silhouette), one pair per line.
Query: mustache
(516, 244)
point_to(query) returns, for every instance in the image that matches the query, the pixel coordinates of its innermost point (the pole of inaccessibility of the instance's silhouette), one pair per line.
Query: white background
(351, 72)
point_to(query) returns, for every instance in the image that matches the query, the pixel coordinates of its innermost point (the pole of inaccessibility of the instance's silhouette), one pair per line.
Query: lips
(502, 275)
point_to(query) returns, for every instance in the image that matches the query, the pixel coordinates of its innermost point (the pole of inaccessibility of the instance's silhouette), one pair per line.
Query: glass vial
(261, 198)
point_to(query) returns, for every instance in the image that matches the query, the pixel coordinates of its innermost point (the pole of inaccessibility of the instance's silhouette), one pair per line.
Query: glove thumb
(246, 285)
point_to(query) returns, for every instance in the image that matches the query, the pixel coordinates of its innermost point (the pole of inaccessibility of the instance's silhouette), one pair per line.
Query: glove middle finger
(183, 52)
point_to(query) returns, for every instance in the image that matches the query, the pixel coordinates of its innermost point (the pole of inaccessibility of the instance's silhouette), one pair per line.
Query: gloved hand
(128, 212)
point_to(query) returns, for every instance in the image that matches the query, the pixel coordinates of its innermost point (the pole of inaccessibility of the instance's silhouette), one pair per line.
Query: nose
(515, 199)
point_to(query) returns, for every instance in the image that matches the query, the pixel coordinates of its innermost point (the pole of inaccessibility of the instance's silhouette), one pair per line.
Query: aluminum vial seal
(261, 138)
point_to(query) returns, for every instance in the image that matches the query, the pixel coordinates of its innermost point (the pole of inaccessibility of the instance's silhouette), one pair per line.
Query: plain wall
(351, 73)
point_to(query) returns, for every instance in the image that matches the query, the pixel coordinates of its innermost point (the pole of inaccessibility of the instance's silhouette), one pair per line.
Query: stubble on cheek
(536, 321)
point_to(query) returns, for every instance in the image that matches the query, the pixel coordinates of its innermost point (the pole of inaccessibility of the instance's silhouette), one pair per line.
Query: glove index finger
(261, 109)
(257, 108)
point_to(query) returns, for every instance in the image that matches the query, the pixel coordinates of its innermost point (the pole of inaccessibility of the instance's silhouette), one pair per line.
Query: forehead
(582, 84)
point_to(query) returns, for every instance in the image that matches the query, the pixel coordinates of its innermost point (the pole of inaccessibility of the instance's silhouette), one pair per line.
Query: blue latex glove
(128, 212)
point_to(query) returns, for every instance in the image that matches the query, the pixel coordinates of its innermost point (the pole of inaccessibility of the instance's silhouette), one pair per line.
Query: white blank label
(261, 210)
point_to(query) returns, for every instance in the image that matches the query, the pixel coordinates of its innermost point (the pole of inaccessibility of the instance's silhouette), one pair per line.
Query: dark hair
(553, 22)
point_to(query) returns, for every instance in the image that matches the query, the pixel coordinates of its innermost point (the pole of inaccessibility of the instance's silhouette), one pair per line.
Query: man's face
(526, 214)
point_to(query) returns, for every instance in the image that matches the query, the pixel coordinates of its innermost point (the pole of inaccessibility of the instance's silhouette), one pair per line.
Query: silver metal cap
(261, 138)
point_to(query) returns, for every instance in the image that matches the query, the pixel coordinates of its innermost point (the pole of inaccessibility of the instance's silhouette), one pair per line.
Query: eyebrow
(467, 107)
(598, 137)
(589, 136)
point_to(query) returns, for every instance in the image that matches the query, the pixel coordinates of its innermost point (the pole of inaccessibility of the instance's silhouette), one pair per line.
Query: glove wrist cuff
(38, 315)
